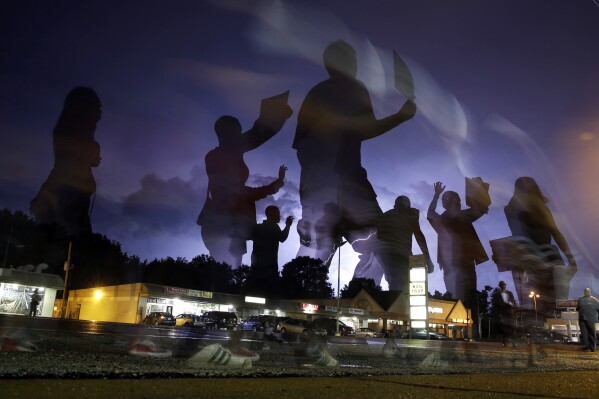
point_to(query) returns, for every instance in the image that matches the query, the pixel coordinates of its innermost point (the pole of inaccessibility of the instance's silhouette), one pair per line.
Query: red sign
(566, 303)
(308, 307)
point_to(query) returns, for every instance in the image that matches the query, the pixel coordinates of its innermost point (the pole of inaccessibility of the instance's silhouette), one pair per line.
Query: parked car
(420, 333)
(540, 335)
(259, 323)
(157, 318)
(330, 325)
(186, 320)
(298, 326)
(219, 320)
(368, 333)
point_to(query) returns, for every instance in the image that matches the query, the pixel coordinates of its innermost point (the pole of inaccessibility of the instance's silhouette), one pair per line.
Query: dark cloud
(287, 199)
(163, 205)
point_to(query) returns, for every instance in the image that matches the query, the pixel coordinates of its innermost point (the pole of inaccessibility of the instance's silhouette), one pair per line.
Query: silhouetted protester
(335, 118)
(230, 208)
(459, 248)
(395, 229)
(266, 237)
(35, 301)
(588, 315)
(532, 224)
(504, 304)
(64, 198)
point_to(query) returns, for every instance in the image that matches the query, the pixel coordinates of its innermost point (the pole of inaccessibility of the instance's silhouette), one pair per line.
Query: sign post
(418, 294)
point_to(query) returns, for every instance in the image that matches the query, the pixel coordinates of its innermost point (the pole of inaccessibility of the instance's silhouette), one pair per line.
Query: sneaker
(244, 352)
(434, 360)
(216, 355)
(147, 348)
(390, 349)
(323, 359)
(16, 345)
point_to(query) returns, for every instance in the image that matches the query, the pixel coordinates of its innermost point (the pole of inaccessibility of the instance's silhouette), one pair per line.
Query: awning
(32, 279)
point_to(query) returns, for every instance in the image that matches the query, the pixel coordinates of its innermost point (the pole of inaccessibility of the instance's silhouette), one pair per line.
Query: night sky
(504, 89)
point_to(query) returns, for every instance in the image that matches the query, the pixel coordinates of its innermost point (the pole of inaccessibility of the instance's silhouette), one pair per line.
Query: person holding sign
(335, 118)
(230, 208)
(459, 248)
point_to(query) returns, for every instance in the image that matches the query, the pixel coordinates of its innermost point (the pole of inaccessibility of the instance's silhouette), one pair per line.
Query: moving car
(158, 318)
(219, 320)
(186, 320)
(368, 333)
(298, 326)
(330, 326)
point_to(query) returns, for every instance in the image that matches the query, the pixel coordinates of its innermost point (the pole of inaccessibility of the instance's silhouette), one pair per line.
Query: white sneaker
(216, 355)
(390, 349)
(322, 359)
(434, 360)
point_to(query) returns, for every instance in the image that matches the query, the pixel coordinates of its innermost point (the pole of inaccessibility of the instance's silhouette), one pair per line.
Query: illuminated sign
(157, 300)
(355, 311)
(418, 312)
(188, 292)
(417, 288)
(418, 293)
(253, 299)
(566, 303)
(309, 308)
(432, 309)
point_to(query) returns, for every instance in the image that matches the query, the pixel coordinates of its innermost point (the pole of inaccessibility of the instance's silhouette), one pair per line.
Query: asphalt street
(92, 360)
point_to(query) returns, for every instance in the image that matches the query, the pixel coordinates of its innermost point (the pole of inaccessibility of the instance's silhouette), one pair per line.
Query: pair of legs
(330, 215)
(589, 334)
(222, 246)
(396, 265)
(460, 280)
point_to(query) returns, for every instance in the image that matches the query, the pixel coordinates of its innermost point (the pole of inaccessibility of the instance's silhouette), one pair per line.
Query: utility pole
(338, 286)
(67, 267)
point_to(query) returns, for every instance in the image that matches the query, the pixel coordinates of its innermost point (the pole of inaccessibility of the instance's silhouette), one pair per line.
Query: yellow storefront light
(98, 294)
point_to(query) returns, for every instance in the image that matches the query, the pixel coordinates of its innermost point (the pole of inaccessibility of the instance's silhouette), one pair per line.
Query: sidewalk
(567, 384)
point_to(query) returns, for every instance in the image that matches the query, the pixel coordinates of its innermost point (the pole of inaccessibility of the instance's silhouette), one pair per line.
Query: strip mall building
(130, 303)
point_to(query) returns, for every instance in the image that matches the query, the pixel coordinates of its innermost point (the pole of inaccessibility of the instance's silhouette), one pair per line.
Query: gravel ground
(105, 356)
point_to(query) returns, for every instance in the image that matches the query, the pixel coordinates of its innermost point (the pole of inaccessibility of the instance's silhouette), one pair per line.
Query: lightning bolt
(330, 258)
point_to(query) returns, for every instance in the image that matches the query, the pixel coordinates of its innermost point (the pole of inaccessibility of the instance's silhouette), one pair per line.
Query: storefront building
(130, 303)
(17, 288)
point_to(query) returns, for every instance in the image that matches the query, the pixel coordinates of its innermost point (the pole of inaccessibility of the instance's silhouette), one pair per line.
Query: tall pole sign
(418, 293)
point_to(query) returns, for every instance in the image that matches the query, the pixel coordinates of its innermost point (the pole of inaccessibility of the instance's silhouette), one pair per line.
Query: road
(80, 355)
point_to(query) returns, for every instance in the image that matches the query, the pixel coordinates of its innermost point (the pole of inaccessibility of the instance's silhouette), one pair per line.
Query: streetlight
(342, 243)
(534, 298)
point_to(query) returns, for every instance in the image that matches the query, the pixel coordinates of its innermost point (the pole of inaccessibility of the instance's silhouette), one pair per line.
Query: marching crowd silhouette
(338, 201)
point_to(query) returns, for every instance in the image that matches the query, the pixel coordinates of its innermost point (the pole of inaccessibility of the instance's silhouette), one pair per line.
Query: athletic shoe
(390, 349)
(16, 345)
(147, 348)
(434, 360)
(244, 352)
(320, 358)
(216, 355)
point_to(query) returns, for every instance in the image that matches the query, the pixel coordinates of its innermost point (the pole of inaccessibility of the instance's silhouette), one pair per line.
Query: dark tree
(240, 278)
(356, 284)
(484, 309)
(445, 296)
(169, 271)
(97, 260)
(305, 277)
(211, 275)
(22, 242)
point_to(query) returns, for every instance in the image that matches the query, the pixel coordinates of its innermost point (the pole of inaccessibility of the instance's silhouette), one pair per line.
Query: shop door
(169, 309)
